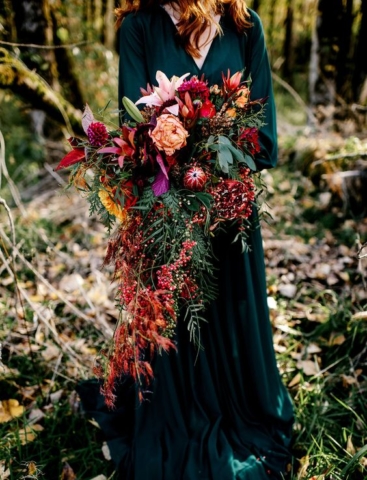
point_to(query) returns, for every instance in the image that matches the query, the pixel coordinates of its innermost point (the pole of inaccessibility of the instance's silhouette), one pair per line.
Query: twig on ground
(52, 382)
(360, 256)
(36, 309)
(4, 171)
(16, 253)
(54, 174)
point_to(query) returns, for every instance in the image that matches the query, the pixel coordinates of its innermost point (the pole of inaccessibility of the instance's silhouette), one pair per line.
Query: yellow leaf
(36, 298)
(304, 464)
(10, 409)
(295, 380)
(336, 339)
(29, 433)
(32, 468)
(350, 447)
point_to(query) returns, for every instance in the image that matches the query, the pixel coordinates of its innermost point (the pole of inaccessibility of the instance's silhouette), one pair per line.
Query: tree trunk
(109, 20)
(288, 64)
(98, 18)
(324, 52)
(66, 71)
(344, 61)
(15, 76)
(7, 32)
(360, 59)
(88, 20)
(36, 23)
(256, 5)
(33, 25)
(271, 28)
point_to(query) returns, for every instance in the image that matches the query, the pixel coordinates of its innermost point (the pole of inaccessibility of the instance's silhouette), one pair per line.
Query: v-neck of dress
(199, 69)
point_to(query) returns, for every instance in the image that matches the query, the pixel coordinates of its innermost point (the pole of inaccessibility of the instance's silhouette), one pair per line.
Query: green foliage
(24, 150)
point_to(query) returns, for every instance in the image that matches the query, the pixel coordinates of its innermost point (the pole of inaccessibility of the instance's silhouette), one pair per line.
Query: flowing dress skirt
(220, 414)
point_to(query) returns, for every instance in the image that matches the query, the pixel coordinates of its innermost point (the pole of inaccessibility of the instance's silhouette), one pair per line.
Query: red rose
(207, 110)
(250, 137)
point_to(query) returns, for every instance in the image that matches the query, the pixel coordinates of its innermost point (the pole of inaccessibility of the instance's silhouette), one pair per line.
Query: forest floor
(60, 312)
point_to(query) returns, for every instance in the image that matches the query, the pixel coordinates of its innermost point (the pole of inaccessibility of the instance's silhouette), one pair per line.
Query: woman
(221, 414)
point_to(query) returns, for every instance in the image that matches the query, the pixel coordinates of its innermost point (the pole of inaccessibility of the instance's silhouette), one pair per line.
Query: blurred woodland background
(56, 303)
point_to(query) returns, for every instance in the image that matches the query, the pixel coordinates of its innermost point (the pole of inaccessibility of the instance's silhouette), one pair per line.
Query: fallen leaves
(4, 470)
(67, 473)
(309, 367)
(360, 316)
(10, 409)
(28, 433)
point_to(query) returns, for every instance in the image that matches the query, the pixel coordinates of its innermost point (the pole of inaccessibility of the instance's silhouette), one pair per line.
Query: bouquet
(175, 173)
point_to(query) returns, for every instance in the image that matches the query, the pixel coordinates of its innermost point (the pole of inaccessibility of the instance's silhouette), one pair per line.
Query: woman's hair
(194, 16)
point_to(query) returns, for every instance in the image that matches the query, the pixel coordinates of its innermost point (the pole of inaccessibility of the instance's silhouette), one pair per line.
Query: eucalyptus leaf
(214, 147)
(250, 162)
(238, 154)
(132, 110)
(224, 140)
(225, 158)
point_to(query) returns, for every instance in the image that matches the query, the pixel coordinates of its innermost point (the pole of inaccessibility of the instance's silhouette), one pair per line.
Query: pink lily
(124, 148)
(166, 91)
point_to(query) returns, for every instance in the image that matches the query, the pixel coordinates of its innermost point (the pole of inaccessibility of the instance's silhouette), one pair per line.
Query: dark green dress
(224, 414)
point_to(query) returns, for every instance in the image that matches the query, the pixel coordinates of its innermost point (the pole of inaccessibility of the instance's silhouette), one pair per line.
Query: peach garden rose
(169, 134)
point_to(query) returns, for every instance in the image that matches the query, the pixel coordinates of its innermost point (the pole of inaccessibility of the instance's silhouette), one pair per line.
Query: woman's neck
(207, 36)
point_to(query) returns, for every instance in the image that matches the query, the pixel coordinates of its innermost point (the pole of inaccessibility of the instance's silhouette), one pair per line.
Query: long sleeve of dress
(133, 72)
(262, 87)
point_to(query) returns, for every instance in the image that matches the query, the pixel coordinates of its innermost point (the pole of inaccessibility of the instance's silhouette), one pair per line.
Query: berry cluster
(233, 199)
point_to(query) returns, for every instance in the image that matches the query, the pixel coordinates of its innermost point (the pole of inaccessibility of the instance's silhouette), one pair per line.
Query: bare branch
(16, 76)
(44, 47)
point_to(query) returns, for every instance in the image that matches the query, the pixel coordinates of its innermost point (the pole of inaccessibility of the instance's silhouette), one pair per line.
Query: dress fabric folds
(221, 413)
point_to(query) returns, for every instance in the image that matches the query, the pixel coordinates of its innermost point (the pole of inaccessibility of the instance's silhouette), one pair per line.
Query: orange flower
(107, 199)
(78, 179)
(230, 83)
(242, 97)
(169, 134)
(231, 112)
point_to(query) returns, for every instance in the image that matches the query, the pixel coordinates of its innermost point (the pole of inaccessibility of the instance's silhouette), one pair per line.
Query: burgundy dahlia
(196, 88)
(97, 134)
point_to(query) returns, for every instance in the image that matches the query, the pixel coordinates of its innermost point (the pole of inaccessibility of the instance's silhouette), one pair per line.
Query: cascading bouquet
(169, 178)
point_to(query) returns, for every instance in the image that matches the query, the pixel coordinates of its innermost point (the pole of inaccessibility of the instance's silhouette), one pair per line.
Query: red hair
(195, 15)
